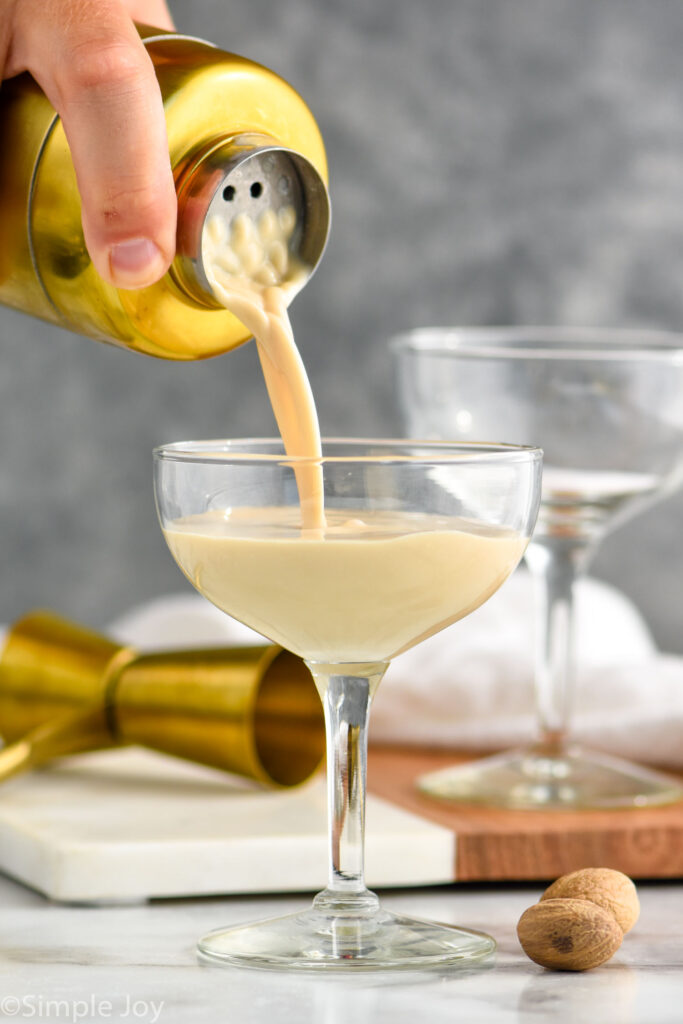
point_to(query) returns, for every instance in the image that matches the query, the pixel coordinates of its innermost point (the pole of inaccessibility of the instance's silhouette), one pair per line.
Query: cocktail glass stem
(346, 927)
(346, 692)
(555, 564)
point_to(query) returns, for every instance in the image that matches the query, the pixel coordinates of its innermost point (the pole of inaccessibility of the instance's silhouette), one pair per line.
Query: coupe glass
(417, 535)
(607, 407)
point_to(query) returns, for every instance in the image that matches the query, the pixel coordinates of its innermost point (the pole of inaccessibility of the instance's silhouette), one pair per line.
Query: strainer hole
(229, 193)
(256, 189)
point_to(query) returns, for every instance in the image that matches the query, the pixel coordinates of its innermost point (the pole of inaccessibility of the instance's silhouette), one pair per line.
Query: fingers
(90, 62)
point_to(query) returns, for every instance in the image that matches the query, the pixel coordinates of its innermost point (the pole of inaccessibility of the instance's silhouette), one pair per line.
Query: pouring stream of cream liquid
(252, 275)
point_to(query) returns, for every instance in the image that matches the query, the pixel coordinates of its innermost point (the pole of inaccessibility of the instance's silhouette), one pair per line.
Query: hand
(88, 59)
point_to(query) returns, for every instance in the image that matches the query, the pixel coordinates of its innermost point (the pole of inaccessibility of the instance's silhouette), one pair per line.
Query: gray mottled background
(523, 157)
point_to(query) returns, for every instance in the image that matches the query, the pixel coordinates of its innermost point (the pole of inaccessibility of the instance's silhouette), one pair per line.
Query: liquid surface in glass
(370, 585)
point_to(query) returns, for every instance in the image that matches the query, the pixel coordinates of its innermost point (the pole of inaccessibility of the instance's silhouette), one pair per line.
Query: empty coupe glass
(607, 409)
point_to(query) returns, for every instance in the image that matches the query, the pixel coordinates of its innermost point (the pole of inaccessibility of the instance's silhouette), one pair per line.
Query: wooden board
(500, 845)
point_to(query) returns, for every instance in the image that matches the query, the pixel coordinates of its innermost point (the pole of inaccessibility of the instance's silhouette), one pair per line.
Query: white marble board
(130, 824)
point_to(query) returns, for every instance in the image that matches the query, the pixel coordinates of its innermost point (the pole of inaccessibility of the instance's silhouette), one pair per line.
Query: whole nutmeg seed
(568, 935)
(609, 889)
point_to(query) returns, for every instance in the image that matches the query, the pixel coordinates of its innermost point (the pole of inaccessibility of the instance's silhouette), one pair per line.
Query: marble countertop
(137, 963)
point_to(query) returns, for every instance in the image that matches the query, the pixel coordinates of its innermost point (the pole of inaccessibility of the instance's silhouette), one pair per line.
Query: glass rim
(440, 452)
(538, 342)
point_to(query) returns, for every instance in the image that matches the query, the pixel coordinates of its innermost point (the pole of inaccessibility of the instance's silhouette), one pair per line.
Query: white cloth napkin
(470, 687)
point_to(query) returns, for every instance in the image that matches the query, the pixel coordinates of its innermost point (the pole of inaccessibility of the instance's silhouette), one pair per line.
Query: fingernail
(135, 263)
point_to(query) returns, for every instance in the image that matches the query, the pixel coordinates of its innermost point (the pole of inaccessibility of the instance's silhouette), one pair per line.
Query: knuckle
(110, 67)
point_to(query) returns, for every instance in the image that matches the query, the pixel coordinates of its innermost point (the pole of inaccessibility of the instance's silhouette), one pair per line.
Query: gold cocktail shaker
(238, 135)
(64, 689)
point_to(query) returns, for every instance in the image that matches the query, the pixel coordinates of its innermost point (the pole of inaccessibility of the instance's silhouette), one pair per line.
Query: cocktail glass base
(538, 779)
(316, 941)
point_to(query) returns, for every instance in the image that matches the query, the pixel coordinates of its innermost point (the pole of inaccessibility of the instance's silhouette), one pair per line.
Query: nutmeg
(568, 934)
(609, 889)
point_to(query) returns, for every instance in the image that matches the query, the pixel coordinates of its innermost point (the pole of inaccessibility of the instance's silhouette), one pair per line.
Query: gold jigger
(254, 711)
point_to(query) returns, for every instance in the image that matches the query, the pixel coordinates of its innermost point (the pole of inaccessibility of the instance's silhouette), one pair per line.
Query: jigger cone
(64, 689)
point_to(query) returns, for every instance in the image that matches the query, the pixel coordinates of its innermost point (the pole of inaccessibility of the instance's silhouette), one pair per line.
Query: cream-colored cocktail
(416, 535)
(370, 586)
